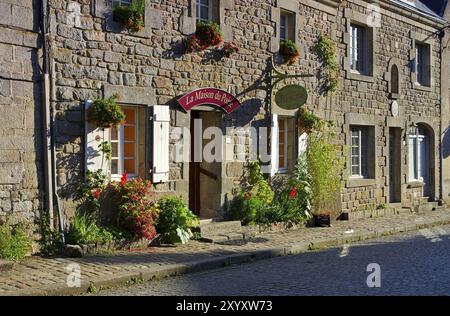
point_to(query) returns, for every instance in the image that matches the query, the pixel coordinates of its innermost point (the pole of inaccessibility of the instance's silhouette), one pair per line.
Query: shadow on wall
(446, 143)
(246, 113)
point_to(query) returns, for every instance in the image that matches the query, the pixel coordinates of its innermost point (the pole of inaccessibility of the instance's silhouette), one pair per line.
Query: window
(204, 8)
(359, 149)
(358, 49)
(282, 144)
(287, 26)
(395, 82)
(124, 145)
(121, 2)
(418, 155)
(423, 64)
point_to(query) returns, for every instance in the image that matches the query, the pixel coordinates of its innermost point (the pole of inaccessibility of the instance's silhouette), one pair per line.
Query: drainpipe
(49, 119)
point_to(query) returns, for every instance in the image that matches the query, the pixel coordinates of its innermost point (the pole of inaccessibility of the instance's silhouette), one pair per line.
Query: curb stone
(168, 270)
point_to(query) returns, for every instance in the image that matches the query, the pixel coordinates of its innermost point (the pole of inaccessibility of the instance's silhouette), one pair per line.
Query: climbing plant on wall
(326, 51)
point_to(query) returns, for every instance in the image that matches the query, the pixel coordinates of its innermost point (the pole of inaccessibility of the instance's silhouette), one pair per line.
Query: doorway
(395, 145)
(204, 176)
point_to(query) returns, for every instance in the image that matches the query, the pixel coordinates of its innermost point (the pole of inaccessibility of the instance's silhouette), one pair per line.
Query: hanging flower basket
(308, 121)
(130, 17)
(208, 34)
(289, 51)
(106, 113)
(229, 49)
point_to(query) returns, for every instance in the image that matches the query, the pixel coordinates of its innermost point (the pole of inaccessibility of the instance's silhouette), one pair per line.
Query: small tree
(325, 166)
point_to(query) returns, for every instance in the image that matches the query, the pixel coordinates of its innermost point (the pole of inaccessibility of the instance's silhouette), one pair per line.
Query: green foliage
(105, 149)
(326, 50)
(255, 194)
(130, 17)
(308, 121)
(106, 112)
(289, 51)
(91, 189)
(51, 240)
(84, 230)
(14, 241)
(325, 167)
(175, 220)
(207, 34)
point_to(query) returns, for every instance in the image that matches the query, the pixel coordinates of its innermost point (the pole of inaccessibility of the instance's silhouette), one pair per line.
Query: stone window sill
(418, 86)
(359, 77)
(415, 184)
(362, 182)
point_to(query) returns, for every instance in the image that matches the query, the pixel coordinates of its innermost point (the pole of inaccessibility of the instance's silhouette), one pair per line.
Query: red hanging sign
(209, 96)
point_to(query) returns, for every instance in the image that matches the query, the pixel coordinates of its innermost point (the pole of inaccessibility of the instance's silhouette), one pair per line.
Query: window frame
(358, 47)
(285, 142)
(121, 2)
(121, 145)
(290, 24)
(362, 154)
(199, 5)
(422, 64)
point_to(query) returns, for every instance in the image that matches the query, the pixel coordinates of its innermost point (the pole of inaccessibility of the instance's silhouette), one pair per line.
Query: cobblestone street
(49, 276)
(411, 264)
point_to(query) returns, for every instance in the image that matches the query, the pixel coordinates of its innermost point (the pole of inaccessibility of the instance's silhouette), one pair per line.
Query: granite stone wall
(94, 58)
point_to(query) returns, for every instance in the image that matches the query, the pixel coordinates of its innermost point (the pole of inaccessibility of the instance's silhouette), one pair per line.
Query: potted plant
(106, 113)
(308, 121)
(207, 34)
(229, 49)
(325, 166)
(289, 50)
(131, 16)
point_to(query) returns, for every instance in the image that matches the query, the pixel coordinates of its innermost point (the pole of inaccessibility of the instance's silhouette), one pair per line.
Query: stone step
(224, 228)
(223, 238)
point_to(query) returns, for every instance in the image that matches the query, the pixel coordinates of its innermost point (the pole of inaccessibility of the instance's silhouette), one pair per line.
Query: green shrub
(255, 195)
(84, 230)
(175, 220)
(325, 167)
(14, 241)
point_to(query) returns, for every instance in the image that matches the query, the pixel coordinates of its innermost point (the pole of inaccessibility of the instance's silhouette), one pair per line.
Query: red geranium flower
(96, 193)
(123, 180)
(293, 192)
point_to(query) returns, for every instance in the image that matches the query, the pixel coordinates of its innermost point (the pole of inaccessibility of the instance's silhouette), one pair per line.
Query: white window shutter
(302, 143)
(94, 136)
(274, 140)
(161, 129)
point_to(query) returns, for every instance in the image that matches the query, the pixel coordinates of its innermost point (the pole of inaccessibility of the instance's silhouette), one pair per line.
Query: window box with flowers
(229, 49)
(130, 16)
(289, 51)
(208, 34)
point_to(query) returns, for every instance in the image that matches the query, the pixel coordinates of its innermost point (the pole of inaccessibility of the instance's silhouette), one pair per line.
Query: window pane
(130, 166)
(115, 149)
(114, 134)
(114, 166)
(129, 150)
(130, 116)
(204, 13)
(129, 133)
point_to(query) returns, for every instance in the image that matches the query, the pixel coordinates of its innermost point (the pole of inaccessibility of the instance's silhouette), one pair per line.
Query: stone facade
(21, 134)
(93, 57)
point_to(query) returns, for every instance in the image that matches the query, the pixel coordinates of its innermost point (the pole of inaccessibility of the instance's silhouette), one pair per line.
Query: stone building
(388, 109)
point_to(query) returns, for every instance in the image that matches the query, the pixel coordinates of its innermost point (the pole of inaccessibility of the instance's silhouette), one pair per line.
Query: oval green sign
(291, 97)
